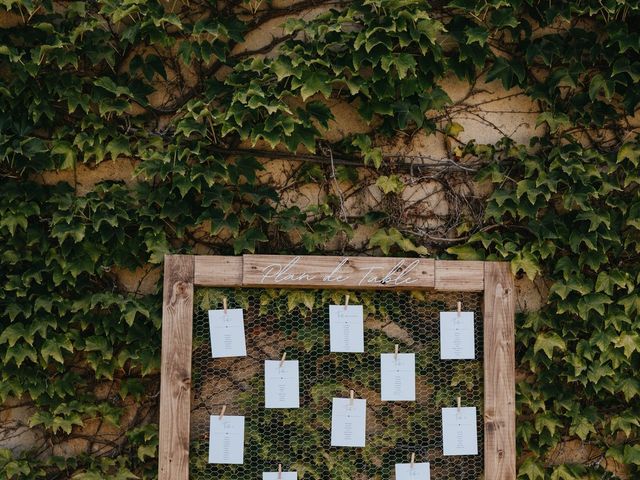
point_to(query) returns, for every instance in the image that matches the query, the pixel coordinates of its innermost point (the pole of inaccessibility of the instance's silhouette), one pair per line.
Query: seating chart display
(337, 368)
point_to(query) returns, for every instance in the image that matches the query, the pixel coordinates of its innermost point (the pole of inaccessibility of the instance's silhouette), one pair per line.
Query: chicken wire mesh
(298, 322)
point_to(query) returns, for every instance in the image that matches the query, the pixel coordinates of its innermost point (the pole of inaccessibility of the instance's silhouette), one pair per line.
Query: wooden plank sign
(337, 272)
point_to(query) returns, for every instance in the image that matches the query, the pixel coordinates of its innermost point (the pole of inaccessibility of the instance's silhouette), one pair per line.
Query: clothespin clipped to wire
(413, 460)
(279, 471)
(395, 355)
(284, 356)
(224, 304)
(352, 395)
(459, 404)
(459, 309)
(346, 301)
(224, 409)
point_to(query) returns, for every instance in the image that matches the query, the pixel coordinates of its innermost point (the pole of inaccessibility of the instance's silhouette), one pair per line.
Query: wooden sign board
(183, 272)
(338, 272)
(291, 271)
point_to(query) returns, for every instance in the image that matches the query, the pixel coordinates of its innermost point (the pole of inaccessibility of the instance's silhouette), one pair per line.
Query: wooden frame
(184, 272)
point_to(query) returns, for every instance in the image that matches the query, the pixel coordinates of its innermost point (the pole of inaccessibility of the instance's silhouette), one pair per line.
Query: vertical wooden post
(175, 379)
(499, 373)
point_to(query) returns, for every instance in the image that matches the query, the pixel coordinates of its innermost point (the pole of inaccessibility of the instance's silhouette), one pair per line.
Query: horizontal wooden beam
(313, 271)
(459, 276)
(217, 271)
(337, 272)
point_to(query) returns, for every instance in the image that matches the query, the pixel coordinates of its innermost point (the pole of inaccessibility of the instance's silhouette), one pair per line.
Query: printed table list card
(457, 338)
(226, 439)
(281, 384)
(417, 471)
(346, 328)
(227, 333)
(283, 476)
(398, 377)
(459, 431)
(348, 422)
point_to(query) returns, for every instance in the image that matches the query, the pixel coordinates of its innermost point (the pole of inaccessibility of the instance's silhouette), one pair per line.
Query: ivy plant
(176, 94)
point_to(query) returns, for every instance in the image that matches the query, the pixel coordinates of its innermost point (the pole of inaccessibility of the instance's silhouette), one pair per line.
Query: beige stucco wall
(487, 113)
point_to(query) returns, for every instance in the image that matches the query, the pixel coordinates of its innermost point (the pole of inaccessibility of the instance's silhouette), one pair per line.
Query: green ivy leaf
(632, 454)
(477, 35)
(386, 239)
(390, 184)
(568, 472)
(247, 241)
(629, 341)
(593, 301)
(118, 146)
(547, 421)
(526, 262)
(68, 153)
(549, 341)
(631, 152)
(465, 252)
(509, 72)
(19, 352)
(531, 469)
(15, 332)
(314, 82)
(51, 349)
(630, 387)
(598, 84)
(554, 120)
(296, 298)
(454, 129)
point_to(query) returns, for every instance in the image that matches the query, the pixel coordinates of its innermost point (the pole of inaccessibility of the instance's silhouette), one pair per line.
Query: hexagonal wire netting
(298, 322)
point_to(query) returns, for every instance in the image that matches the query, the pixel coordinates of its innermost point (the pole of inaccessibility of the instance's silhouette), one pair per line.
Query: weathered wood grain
(175, 380)
(499, 373)
(218, 271)
(337, 272)
(459, 276)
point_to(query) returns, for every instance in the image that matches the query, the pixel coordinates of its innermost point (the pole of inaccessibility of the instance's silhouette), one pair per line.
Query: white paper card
(457, 338)
(348, 422)
(285, 476)
(281, 384)
(398, 377)
(227, 333)
(226, 439)
(459, 431)
(417, 471)
(346, 328)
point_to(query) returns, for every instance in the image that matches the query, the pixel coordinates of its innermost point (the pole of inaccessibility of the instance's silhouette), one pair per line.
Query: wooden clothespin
(224, 409)
(459, 308)
(352, 395)
(413, 459)
(459, 404)
(346, 301)
(396, 352)
(279, 471)
(224, 304)
(284, 356)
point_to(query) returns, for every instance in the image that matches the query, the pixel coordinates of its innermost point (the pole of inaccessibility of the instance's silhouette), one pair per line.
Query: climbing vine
(223, 147)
